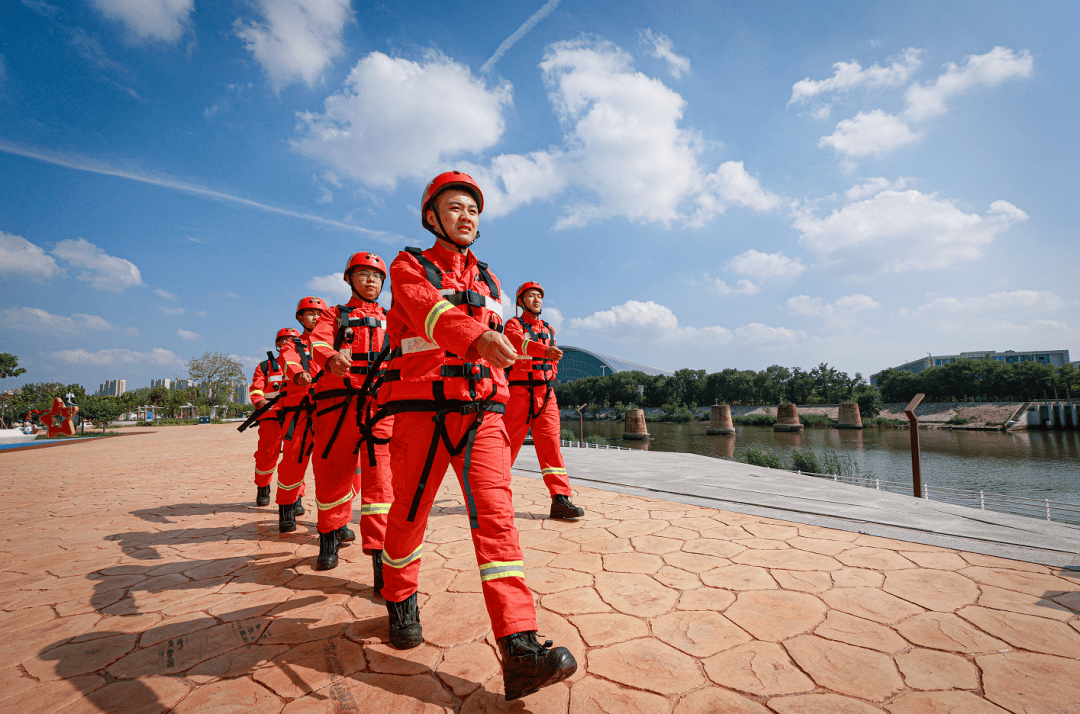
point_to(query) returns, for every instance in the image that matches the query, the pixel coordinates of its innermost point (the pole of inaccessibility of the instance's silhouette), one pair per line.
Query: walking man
(264, 390)
(532, 397)
(448, 392)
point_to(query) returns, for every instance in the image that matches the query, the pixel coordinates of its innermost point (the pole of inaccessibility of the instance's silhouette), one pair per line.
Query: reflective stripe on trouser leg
(294, 462)
(517, 420)
(334, 474)
(545, 429)
(266, 454)
(376, 489)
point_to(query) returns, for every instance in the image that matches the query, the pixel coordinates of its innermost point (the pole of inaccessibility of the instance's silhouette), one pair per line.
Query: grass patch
(823, 461)
(959, 420)
(815, 420)
(757, 455)
(175, 422)
(884, 423)
(595, 439)
(754, 419)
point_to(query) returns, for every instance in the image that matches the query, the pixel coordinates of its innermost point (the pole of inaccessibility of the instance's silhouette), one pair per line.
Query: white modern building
(112, 388)
(167, 383)
(1053, 358)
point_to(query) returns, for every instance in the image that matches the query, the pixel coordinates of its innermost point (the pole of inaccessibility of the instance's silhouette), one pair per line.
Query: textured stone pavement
(138, 576)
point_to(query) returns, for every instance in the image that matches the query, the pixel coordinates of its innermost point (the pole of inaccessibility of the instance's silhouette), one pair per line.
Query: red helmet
(364, 259)
(286, 332)
(529, 285)
(449, 179)
(309, 303)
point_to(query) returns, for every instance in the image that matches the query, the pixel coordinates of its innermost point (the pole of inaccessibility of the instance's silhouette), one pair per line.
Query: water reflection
(1037, 464)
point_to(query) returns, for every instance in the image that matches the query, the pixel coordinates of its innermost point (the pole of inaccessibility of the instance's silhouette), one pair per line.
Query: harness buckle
(474, 298)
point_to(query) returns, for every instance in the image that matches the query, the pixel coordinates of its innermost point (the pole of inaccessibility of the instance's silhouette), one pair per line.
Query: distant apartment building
(112, 388)
(1053, 358)
(167, 383)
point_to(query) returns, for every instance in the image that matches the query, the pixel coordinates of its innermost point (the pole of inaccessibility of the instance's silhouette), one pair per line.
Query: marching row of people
(382, 403)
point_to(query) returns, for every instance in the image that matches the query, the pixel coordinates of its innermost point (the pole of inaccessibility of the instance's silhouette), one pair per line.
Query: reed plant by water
(815, 420)
(822, 461)
(754, 419)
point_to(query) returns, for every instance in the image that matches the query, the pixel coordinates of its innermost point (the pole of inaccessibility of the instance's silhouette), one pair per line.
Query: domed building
(578, 363)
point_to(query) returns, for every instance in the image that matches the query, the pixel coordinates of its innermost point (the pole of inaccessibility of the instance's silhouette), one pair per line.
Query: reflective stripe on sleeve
(496, 570)
(327, 506)
(253, 392)
(525, 346)
(553, 471)
(263, 473)
(283, 487)
(433, 317)
(400, 563)
(322, 344)
(374, 509)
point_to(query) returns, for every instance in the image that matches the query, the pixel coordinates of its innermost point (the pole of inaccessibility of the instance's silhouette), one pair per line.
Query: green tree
(869, 400)
(213, 373)
(100, 410)
(801, 387)
(9, 366)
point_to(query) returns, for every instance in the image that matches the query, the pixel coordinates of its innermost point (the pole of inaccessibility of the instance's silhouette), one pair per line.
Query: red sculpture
(59, 419)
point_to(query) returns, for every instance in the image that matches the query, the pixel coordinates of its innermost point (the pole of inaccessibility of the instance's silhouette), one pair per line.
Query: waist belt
(471, 297)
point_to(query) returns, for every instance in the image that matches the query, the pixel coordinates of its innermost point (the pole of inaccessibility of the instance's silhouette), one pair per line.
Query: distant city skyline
(702, 185)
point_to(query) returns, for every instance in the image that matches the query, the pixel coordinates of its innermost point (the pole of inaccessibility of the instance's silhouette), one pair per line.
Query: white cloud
(1000, 304)
(876, 132)
(525, 28)
(1017, 319)
(896, 231)
(20, 256)
(623, 147)
(870, 133)
(385, 125)
(297, 39)
(161, 292)
(147, 20)
(34, 319)
(661, 48)
(553, 316)
(743, 287)
(158, 357)
(767, 266)
(986, 70)
(172, 310)
(101, 270)
(330, 288)
(873, 186)
(849, 75)
(840, 311)
(755, 333)
(188, 335)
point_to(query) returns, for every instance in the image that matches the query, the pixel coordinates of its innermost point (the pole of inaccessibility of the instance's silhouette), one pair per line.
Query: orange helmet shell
(364, 259)
(309, 303)
(445, 180)
(287, 332)
(529, 285)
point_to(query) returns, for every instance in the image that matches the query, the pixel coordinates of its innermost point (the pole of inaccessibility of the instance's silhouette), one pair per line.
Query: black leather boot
(376, 566)
(528, 665)
(299, 506)
(328, 545)
(405, 632)
(562, 508)
(262, 496)
(345, 534)
(286, 517)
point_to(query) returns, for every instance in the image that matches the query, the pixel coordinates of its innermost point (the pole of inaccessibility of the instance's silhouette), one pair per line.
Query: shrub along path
(138, 577)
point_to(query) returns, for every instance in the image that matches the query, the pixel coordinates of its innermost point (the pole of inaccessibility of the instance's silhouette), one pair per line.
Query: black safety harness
(542, 365)
(255, 415)
(371, 365)
(439, 404)
(305, 406)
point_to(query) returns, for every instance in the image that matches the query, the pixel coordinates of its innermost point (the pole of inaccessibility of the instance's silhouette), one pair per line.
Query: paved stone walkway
(137, 576)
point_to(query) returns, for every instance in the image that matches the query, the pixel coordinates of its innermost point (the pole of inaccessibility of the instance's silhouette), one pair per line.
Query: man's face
(459, 214)
(367, 283)
(308, 318)
(532, 300)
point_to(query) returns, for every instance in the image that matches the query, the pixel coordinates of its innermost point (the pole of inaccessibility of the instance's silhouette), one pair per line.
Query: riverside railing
(579, 445)
(1042, 508)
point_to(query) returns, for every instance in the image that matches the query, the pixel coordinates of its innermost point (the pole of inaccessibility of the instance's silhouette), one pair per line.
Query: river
(1035, 464)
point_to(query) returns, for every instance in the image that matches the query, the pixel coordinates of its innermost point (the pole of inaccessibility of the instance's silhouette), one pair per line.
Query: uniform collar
(452, 258)
(363, 305)
(531, 318)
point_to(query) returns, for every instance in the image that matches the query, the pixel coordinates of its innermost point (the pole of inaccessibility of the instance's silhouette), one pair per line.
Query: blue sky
(695, 184)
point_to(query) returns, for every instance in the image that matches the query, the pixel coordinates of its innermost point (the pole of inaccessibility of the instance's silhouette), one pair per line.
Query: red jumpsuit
(344, 450)
(295, 406)
(532, 399)
(265, 385)
(449, 403)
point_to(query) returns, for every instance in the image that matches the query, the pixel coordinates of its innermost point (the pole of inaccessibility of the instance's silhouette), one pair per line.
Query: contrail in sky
(521, 32)
(81, 163)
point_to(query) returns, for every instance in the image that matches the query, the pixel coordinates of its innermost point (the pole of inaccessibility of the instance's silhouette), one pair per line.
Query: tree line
(965, 379)
(219, 380)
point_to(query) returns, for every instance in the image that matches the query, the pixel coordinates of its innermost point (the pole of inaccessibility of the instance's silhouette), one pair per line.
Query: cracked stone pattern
(165, 589)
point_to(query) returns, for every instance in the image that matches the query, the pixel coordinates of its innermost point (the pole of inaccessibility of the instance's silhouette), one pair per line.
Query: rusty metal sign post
(916, 468)
(581, 425)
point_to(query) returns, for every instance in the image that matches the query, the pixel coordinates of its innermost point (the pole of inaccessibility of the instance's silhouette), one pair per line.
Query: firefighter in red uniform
(447, 391)
(352, 453)
(264, 389)
(532, 397)
(296, 406)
